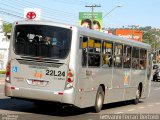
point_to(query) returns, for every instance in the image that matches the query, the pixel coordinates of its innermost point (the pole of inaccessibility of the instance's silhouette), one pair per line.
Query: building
(4, 46)
(130, 34)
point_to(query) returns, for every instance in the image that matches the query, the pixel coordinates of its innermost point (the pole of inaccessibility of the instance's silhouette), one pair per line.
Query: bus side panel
(143, 78)
(89, 80)
(135, 80)
(117, 85)
(129, 89)
(105, 76)
(85, 95)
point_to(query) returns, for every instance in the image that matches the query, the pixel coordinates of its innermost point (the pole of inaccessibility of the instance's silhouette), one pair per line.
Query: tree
(152, 37)
(7, 27)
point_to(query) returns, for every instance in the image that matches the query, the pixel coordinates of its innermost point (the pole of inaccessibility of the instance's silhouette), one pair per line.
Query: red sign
(130, 34)
(31, 15)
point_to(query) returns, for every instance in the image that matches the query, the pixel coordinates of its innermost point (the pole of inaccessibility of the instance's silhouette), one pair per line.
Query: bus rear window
(42, 40)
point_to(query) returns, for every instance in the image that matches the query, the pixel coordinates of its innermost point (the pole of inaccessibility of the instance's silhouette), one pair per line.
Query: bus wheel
(138, 92)
(99, 100)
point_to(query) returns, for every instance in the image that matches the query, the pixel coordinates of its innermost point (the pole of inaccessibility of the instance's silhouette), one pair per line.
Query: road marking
(150, 105)
(157, 103)
(141, 107)
(131, 110)
(119, 113)
(157, 89)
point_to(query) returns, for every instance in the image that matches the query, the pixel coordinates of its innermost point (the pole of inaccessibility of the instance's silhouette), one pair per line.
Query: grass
(2, 71)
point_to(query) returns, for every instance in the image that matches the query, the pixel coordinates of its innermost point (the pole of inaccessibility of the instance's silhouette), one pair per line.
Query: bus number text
(55, 73)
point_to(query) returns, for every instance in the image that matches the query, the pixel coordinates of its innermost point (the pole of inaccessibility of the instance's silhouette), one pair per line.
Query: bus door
(149, 74)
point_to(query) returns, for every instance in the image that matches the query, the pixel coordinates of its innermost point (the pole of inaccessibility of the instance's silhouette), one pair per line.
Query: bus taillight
(69, 82)
(8, 69)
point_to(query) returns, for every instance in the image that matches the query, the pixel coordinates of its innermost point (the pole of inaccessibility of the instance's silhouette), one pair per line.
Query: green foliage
(145, 28)
(7, 27)
(152, 37)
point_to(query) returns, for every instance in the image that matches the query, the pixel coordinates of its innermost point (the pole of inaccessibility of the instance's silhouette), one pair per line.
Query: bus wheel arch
(141, 87)
(99, 100)
(103, 87)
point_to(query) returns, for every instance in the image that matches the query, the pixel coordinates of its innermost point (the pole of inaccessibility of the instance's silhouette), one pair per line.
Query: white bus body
(38, 72)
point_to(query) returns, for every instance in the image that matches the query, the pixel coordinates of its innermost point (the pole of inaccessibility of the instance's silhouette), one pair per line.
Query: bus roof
(90, 32)
(114, 38)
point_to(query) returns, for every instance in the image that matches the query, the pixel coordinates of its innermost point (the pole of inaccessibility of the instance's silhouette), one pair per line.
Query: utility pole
(92, 7)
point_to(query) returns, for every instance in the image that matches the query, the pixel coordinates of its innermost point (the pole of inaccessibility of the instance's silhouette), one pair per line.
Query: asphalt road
(13, 109)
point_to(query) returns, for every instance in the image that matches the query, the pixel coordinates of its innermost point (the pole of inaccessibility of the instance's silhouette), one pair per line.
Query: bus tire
(99, 100)
(138, 94)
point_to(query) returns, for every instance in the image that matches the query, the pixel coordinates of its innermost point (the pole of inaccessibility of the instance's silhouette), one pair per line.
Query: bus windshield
(42, 41)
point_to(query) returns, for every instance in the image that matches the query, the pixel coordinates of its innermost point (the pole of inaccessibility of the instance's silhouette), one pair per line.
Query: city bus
(67, 64)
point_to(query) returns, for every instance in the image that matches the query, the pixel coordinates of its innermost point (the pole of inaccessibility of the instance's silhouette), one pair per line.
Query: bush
(2, 71)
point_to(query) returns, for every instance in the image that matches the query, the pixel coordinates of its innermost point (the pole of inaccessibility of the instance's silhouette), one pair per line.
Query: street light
(120, 5)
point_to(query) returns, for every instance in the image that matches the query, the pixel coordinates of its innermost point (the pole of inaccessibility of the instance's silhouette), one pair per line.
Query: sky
(133, 12)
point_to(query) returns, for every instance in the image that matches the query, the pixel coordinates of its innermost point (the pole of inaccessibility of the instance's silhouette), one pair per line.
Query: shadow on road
(46, 109)
(51, 109)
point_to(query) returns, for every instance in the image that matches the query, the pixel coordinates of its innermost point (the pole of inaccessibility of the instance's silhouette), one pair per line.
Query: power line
(13, 7)
(48, 13)
(29, 4)
(10, 14)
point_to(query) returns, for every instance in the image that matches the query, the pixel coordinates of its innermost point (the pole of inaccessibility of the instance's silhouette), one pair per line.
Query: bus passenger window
(135, 63)
(91, 52)
(84, 57)
(84, 41)
(143, 57)
(94, 52)
(118, 52)
(142, 64)
(107, 54)
(127, 57)
(135, 58)
(93, 60)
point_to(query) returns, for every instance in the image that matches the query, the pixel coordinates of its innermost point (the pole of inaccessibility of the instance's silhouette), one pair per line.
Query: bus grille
(40, 63)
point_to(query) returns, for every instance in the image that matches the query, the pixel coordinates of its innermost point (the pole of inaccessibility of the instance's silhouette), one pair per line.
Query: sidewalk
(2, 79)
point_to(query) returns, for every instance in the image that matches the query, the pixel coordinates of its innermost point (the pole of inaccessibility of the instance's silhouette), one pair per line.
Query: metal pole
(92, 17)
(92, 6)
(112, 10)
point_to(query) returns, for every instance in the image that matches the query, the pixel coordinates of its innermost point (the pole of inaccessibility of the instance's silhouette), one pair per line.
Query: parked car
(155, 66)
(156, 75)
